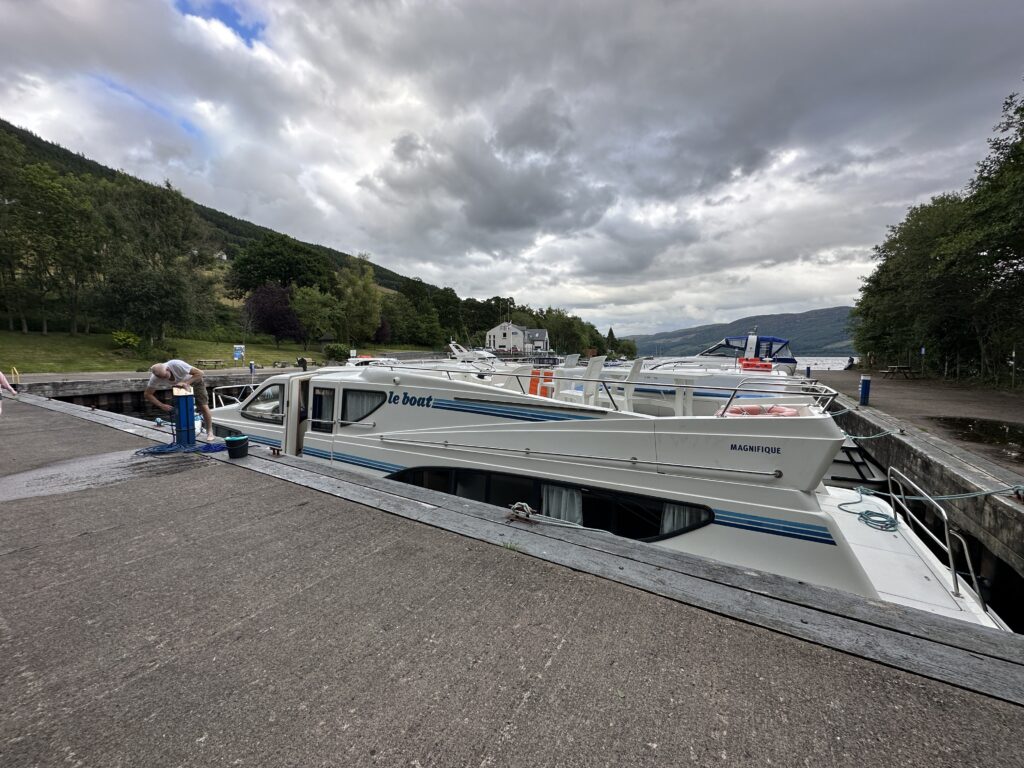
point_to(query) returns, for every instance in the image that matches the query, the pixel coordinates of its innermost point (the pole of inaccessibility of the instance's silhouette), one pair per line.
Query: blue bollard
(185, 419)
(865, 388)
(808, 372)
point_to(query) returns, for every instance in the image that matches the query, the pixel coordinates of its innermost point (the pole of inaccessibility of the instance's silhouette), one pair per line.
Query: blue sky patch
(226, 13)
(115, 87)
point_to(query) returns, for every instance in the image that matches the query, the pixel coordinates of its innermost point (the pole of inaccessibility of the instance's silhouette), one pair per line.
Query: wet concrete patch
(1004, 437)
(92, 472)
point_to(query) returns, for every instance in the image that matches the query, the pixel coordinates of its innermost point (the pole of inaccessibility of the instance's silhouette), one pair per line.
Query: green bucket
(238, 446)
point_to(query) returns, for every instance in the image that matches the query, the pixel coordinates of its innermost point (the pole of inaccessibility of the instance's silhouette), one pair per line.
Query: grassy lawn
(59, 353)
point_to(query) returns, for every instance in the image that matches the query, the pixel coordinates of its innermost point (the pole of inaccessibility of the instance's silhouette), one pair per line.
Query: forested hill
(87, 249)
(817, 332)
(225, 232)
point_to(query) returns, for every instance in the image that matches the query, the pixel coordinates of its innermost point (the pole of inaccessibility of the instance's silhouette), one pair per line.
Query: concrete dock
(189, 610)
(923, 402)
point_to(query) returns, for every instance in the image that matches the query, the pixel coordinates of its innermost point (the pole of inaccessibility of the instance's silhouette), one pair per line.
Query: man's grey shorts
(199, 390)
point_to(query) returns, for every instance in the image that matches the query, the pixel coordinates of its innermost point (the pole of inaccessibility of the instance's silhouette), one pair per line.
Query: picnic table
(210, 364)
(895, 370)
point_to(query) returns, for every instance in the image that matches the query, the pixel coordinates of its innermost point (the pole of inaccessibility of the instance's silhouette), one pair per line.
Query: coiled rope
(175, 447)
(872, 517)
(884, 521)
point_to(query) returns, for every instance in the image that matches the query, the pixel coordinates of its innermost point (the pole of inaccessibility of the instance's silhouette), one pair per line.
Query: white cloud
(648, 166)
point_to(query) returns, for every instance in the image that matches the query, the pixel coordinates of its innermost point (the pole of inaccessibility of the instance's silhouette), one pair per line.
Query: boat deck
(196, 610)
(894, 564)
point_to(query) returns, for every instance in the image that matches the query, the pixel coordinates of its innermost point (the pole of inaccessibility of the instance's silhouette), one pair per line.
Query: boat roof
(773, 339)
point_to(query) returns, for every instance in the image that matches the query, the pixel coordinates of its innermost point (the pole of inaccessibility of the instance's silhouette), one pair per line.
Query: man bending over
(178, 373)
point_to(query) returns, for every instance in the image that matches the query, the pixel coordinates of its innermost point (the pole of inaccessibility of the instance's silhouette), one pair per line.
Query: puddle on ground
(1005, 437)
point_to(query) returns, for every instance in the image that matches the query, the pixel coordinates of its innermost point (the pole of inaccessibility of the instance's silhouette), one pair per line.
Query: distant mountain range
(821, 332)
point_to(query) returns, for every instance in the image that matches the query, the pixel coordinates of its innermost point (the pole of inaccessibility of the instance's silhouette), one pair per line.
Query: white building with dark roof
(512, 338)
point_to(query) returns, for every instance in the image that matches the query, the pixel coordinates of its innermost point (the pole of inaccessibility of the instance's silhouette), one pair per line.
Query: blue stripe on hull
(265, 440)
(774, 526)
(507, 412)
(786, 534)
(348, 458)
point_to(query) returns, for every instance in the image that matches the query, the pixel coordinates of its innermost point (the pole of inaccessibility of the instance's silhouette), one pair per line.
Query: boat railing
(899, 484)
(818, 394)
(230, 394)
(822, 395)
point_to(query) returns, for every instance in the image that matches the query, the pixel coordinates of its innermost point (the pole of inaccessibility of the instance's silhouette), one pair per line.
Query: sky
(648, 165)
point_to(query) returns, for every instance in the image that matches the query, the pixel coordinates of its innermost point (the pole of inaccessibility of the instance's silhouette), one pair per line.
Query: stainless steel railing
(230, 394)
(898, 485)
(807, 390)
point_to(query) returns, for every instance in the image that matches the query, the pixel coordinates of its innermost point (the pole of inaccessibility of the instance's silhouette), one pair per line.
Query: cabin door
(296, 414)
(324, 411)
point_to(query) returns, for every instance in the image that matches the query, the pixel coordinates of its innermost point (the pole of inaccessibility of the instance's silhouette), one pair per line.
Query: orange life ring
(755, 364)
(760, 410)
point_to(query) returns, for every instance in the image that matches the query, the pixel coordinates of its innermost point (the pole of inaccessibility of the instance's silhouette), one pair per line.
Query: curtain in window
(562, 503)
(677, 516)
(358, 403)
(323, 409)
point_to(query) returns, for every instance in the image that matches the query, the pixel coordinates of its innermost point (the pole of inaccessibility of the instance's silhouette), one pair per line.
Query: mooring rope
(873, 518)
(1017, 491)
(894, 431)
(884, 521)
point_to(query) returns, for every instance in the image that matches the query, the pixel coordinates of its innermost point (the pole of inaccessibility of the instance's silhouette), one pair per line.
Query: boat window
(357, 404)
(470, 484)
(624, 514)
(562, 503)
(266, 405)
(433, 479)
(634, 517)
(437, 480)
(506, 490)
(679, 518)
(323, 409)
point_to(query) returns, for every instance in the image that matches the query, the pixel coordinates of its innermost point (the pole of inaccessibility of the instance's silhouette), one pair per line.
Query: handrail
(898, 483)
(821, 395)
(776, 473)
(220, 399)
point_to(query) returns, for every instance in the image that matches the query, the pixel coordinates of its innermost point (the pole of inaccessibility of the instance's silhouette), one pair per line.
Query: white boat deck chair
(584, 392)
(624, 401)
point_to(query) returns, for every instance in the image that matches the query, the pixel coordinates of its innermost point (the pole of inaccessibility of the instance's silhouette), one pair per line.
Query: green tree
(83, 247)
(951, 274)
(279, 260)
(449, 314)
(361, 302)
(154, 254)
(319, 314)
(627, 348)
(270, 310)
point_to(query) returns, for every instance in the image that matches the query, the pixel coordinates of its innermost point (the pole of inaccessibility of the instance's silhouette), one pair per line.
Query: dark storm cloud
(639, 161)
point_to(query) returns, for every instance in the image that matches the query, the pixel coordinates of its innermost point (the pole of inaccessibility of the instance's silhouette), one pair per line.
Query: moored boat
(744, 490)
